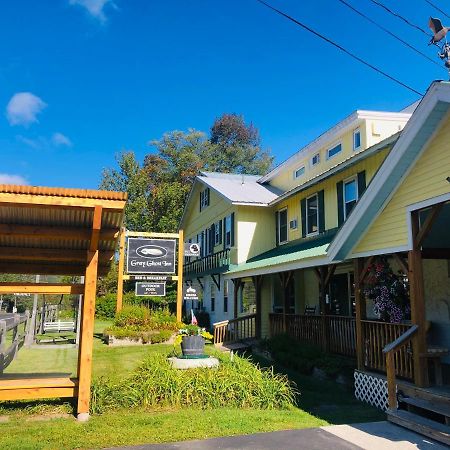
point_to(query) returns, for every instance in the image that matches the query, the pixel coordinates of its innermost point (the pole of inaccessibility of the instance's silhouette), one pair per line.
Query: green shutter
(361, 183)
(340, 202)
(277, 228)
(212, 238)
(207, 196)
(232, 229)
(303, 214)
(220, 231)
(224, 230)
(321, 204)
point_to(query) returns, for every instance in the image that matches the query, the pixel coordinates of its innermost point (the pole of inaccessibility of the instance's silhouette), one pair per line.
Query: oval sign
(151, 251)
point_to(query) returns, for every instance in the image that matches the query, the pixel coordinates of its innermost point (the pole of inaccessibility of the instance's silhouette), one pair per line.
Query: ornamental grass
(235, 383)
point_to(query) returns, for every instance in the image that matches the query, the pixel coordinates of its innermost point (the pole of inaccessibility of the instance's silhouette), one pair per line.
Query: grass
(33, 425)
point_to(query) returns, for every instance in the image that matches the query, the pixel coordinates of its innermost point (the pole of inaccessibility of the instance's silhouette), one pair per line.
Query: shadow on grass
(326, 399)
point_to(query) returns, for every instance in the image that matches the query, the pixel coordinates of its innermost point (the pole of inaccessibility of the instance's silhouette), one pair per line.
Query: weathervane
(439, 33)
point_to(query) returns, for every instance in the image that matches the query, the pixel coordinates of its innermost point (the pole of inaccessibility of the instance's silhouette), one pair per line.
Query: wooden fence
(235, 330)
(10, 343)
(335, 334)
(379, 334)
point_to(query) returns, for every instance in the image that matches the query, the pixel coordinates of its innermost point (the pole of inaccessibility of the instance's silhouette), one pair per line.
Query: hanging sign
(150, 289)
(151, 255)
(192, 249)
(190, 293)
(151, 278)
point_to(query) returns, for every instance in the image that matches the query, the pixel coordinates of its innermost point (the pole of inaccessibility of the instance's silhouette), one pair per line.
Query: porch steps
(227, 347)
(441, 408)
(422, 425)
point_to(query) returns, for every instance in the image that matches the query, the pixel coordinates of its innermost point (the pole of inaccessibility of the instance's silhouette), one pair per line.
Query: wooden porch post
(360, 303)
(417, 305)
(87, 320)
(323, 271)
(257, 281)
(237, 285)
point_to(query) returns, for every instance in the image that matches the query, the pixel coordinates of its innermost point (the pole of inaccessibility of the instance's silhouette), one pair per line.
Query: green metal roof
(294, 251)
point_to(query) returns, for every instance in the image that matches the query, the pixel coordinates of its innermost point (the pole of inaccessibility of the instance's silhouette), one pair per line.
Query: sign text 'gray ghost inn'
(151, 255)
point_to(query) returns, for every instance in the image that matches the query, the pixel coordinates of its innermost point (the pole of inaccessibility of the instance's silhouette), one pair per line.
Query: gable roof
(411, 143)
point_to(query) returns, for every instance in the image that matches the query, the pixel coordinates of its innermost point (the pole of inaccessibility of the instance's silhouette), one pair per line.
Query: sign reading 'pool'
(151, 255)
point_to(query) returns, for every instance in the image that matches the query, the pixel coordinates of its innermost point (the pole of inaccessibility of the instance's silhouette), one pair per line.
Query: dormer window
(356, 139)
(204, 199)
(299, 172)
(315, 159)
(334, 151)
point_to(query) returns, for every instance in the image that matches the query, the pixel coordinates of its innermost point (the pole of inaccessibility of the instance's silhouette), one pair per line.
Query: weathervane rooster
(439, 33)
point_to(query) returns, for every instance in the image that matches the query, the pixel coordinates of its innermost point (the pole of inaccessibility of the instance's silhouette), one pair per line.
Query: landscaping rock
(4, 419)
(184, 363)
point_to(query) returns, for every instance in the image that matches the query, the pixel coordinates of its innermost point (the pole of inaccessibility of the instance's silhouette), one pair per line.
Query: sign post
(151, 259)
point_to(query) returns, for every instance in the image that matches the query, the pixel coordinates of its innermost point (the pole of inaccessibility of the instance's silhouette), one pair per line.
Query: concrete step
(419, 424)
(440, 408)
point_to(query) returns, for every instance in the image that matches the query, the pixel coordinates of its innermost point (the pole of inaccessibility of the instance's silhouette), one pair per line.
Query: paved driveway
(368, 436)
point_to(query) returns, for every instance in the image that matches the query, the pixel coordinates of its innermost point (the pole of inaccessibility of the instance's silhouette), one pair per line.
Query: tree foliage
(158, 188)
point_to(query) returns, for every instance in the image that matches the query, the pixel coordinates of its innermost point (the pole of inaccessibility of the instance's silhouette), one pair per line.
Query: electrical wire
(399, 16)
(437, 8)
(334, 44)
(407, 44)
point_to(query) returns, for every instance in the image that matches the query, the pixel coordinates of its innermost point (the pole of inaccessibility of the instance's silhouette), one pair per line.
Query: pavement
(367, 436)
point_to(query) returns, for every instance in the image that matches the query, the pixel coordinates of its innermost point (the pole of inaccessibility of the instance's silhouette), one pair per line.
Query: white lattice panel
(371, 389)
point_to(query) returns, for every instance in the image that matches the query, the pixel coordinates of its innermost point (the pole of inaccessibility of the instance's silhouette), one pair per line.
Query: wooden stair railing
(235, 329)
(389, 351)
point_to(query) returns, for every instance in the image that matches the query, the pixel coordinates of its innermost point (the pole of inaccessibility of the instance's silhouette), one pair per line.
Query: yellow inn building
(288, 251)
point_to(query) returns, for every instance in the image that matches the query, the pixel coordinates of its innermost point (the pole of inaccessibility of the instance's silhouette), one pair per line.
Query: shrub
(132, 315)
(105, 307)
(237, 383)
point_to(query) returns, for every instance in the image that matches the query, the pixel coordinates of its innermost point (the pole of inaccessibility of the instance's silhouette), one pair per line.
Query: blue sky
(81, 80)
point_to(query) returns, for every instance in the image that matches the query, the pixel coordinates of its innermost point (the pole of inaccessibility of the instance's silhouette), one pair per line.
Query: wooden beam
(422, 233)
(401, 262)
(418, 312)
(49, 269)
(54, 233)
(96, 227)
(180, 274)
(41, 288)
(48, 255)
(360, 306)
(121, 268)
(237, 284)
(257, 282)
(87, 324)
(216, 280)
(317, 273)
(365, 269)
(330, 273)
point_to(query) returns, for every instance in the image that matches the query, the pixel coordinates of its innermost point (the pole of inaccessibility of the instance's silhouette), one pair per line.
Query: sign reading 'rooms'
(151, 255)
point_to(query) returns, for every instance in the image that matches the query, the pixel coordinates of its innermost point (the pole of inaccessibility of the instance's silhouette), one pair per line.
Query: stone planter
(193, 345)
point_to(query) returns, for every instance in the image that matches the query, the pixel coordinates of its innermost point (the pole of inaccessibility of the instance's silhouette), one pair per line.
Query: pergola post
(87, 321)
(120, 270)
(257, 281)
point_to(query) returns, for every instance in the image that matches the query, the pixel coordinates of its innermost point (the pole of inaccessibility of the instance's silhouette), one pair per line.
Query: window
(225, 296)
(356, 139)
(213, 298)
(228, 231)
(217, 229)
(282, 226)
(334, 151)
(315, 159)
(312, 214)
(299, 172)
(204, 199)
(350, 196)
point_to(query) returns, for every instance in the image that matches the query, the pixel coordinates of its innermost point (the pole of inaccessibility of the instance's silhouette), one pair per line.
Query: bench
(59, 326)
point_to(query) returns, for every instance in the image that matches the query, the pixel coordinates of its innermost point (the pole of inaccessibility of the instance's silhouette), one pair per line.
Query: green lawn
(33, 425)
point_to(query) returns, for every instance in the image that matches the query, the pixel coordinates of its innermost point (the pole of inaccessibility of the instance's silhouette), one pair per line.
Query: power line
(389, 32)
(334, 44)
(399, 16)
(439, 9)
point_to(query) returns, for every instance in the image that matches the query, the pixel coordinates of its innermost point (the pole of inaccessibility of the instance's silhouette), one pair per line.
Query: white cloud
(59, 139)
(94, 7)
(6, 178)
(23, 108)
(33, 143)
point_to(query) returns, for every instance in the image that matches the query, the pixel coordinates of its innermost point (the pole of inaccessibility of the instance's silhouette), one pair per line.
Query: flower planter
(193, 345)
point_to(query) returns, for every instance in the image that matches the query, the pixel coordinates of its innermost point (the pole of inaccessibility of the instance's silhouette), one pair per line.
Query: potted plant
(192, 339)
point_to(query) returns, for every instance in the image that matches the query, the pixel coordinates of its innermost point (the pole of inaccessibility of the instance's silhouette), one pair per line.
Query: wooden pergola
(58, 231)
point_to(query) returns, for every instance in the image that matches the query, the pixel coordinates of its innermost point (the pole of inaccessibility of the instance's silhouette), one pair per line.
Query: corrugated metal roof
(62, 192)
(242, 190)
